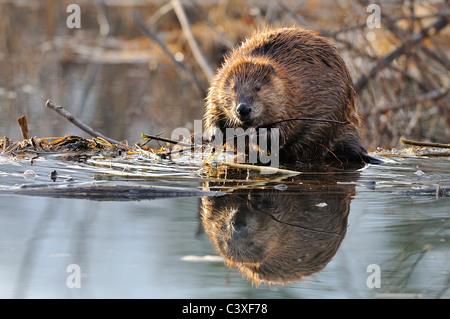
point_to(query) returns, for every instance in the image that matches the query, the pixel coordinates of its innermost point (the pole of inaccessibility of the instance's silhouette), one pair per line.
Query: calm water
(325, 228)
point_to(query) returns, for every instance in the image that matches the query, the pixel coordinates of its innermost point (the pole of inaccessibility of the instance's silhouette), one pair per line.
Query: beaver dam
(139, 223)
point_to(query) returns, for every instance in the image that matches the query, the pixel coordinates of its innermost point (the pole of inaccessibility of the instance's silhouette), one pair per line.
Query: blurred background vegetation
(113, 75)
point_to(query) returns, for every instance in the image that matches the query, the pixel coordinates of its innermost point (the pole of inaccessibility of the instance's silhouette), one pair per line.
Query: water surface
(336, 224)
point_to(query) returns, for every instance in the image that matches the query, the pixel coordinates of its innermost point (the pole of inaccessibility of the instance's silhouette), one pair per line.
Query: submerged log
(107, 192)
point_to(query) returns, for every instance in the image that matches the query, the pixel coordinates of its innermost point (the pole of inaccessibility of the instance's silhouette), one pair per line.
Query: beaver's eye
(258, 88)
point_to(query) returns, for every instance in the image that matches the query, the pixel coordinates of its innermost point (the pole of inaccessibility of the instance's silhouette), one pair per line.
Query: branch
(23, 124)
(262, 169)
(166, 140)
(303, 119)
(61, 111)
(166, 50)
(386, 60)
(94, 67)
(417, 143)
(185, 26)
(429, 96)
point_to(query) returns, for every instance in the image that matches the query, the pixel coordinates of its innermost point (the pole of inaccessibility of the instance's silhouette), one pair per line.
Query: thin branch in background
(105, 31)
(391, 22)
(167, 51)
(186, 27)
(88, 84)
(429, 96)
(387, 59)
(433, 55)
(162, 11)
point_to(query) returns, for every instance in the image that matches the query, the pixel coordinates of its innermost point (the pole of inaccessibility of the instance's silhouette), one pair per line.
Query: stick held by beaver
(296, 81)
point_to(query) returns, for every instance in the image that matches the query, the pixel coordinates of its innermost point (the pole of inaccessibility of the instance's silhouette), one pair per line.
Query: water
(127, 244)
(336, 225)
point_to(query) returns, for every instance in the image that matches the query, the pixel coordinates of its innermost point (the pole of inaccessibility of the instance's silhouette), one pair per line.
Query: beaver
(294, 80)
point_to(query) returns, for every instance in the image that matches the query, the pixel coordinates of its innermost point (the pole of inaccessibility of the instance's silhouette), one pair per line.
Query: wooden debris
(23, 126)
(108, 192)
(428, 144)
(262, 169)
(61, 111)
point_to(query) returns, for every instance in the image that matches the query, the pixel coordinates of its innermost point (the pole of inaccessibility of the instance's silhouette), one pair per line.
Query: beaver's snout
(243, 111)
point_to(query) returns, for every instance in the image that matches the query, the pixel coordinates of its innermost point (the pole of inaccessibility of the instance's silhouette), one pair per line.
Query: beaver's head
(251, 88)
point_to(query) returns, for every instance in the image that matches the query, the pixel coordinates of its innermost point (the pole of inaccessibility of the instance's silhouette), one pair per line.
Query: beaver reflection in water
(283, 74)
(278, 236)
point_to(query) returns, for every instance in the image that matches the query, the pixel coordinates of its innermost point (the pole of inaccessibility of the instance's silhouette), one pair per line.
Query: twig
(429, 96)
(23, 126)
(166, 50)
(286, 120)
(163, 139)
(61, 111)
(239, 135)
(162, 11)
(185, 26)
(305, 119)
(262, 169)
(434, 56)
(387, 59)
(417, 143)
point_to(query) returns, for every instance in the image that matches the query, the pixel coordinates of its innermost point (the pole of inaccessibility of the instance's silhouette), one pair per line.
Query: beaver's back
(290, 46)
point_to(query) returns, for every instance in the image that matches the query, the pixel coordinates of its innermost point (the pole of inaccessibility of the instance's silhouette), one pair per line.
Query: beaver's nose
(243, 110)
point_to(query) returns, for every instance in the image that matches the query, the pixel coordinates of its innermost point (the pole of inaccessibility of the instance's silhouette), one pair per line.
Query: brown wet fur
(289, 73)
